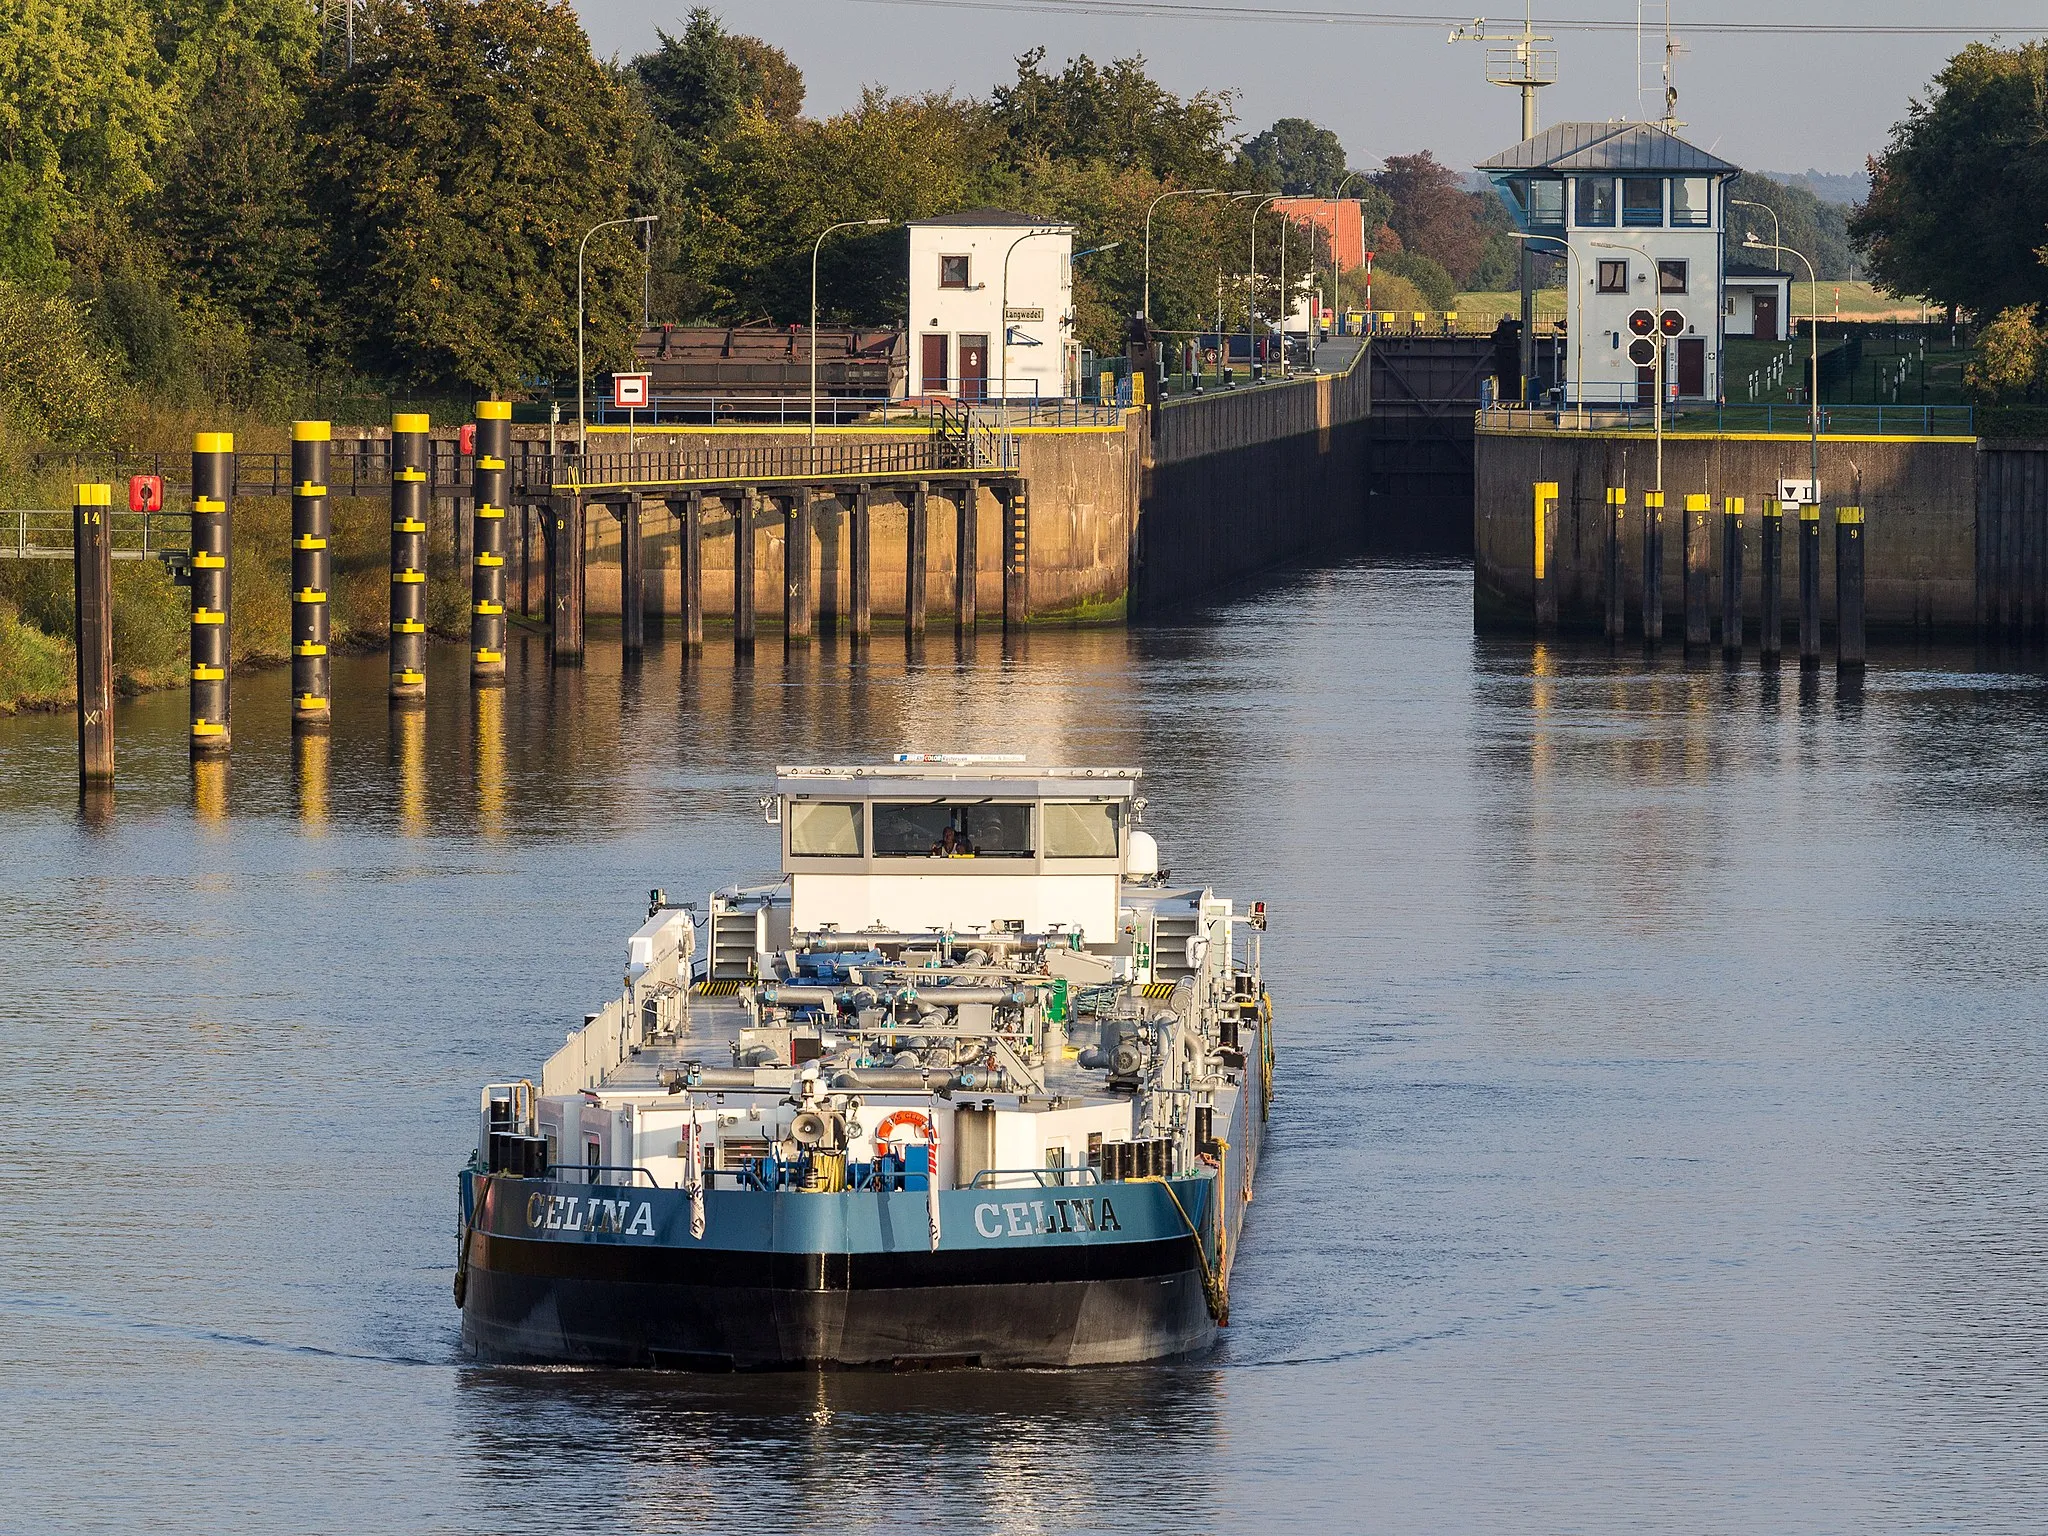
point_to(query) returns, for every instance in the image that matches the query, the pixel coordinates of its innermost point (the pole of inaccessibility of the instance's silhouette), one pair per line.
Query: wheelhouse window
(960, 829)
(824, 829)
(1689, 202)
(1614, 277)
(1546, 205)
(1642, 202)
(1671, 276)
(1079, 831)
(952, 271)
(1595, 201)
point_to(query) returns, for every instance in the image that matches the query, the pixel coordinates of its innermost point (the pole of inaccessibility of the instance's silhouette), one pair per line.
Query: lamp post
(582, 427)
(1657, 340)
(1074, 356)
(1004, 354)
(816, 246)
(1578, 326)
(1251, 303)
(1145, 308)
(1777, 247)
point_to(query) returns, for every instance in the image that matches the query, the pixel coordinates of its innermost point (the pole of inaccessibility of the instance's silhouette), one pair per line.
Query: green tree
(1438, 288)
(1116, 113)
(697, 84)
(459, 166)
(1294, 156)
(1959, 199)
(1817, 230)
(2009, 363)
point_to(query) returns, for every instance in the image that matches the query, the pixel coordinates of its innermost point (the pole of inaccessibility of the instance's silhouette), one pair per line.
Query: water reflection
(210, 790)
(310, 776)
(490, 762)
(409, 757)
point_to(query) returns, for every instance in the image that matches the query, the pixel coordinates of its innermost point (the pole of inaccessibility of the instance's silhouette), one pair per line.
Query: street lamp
(1336, 242)
(1251, 311)
(1812, 331)
(1578, 326)
(1074, 355)
(1004, 367)
(1657, 340)
(1145, 308)
(815, 247)
(582, 429)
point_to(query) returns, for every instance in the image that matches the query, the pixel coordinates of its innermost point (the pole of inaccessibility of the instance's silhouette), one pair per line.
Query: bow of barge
(973, 1082)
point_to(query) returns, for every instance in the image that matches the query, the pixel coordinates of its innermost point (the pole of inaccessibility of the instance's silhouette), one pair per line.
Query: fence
(45, 534)
(1777, 420)
(966, 443)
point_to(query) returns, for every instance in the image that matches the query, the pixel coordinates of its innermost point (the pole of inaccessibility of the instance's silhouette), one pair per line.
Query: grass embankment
(152, 614)
(1857, 301)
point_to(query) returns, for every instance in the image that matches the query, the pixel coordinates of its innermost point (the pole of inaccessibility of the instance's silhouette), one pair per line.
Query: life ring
(915, 1118)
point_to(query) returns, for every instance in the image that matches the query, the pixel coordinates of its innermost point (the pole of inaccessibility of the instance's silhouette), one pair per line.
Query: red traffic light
(145, 493)
(1671, 323)
(1642, 351)
(1642, 322)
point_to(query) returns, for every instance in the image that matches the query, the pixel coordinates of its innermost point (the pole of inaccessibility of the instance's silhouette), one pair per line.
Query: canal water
(1661, 1138)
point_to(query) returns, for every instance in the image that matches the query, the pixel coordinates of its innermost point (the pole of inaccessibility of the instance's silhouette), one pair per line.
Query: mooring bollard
(92, 609)
(1617, 599)
(312, 577)
(1771, 582)
(1699, 559)
(1543, 544)
(1731, 578)
(1849, 541)
(1809, 585)
(1653, 568)
(408, 559)
(213, 489)
(490, 490)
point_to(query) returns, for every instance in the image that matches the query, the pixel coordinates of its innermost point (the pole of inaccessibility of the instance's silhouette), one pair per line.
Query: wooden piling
(1699, 565)
(1617, 597)
(967, 557)
(1653, 568)
(213, 491)
(1770, 577)
(1809, 586)
(1849, 550)
(565, 571)
(410, 504)
(491, 482)
(1543, 546)
(797, 595)
(860, 566)
(917, 562)
(743, 570)
(690, 548)
(632, 577)
(312, 577)
(92, 608)
(1731, 578)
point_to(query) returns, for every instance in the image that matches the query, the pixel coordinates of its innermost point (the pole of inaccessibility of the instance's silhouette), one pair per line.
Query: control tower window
(824, 830)
(979, 829)
(1080, 831)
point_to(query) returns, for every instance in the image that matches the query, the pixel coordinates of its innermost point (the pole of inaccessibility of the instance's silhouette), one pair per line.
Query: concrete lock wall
(1918, 495)
(1241, 482)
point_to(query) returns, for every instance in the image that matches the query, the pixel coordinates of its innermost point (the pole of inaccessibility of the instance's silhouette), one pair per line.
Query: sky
(1779, 103)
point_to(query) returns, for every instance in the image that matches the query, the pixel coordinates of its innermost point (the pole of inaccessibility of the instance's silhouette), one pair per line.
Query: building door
(1692, 366)
(1765, 307)
(1646, 384)
(973, 367)
(932, 374)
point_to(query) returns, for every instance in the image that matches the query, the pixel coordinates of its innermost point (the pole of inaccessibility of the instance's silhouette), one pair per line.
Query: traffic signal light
(1671, 323)
(1642, 352)
(1642, 322)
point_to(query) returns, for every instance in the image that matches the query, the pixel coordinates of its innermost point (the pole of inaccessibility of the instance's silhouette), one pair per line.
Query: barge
(974, 1082)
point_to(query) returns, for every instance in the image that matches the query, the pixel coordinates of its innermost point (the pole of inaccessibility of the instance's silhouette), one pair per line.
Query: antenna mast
(1513, 59)
(1669, 119)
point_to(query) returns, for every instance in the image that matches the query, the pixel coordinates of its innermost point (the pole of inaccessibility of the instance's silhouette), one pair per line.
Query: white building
(1759, 301)
(991, 306)
(1642, 213)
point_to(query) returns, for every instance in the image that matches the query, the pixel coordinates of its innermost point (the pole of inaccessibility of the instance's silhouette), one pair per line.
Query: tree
(1959, 198)
(697, 85)
(1115, 113)
(1817, 230)
(1438, 288)
(1433, 214)
(1294, 156)
(459, 166)
(2010, 361)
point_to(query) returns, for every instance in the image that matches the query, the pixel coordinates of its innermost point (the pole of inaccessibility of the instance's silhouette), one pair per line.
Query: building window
(1546, 205)
(1595, 200)
(1671, 276)
(1614, 277)
(1689, 202)
(952, 271)
(1642, 202)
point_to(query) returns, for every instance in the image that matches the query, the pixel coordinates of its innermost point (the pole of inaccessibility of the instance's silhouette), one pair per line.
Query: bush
(1439, 291)
(36, 669)
(2009, 364)
(53, 380)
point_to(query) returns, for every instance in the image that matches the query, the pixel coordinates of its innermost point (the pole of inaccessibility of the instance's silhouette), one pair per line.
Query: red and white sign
(631, 389)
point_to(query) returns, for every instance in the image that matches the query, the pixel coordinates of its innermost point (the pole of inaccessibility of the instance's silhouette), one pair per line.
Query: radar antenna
(1513, 59)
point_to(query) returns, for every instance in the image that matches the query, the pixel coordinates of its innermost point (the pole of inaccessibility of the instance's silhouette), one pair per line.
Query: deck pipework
(491, 487)
(213, 492)
(312, 577)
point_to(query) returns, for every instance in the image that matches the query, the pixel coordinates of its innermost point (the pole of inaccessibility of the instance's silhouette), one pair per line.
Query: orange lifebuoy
(914, 1118)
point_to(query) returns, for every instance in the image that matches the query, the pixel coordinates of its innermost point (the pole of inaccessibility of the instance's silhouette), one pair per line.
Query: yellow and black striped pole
(1617, 601)
(312, 577)
(491, 484)
(408, 559)
(213, 493)
(1849, 554)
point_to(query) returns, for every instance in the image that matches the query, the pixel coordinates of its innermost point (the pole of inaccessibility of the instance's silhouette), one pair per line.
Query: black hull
(538, 1303)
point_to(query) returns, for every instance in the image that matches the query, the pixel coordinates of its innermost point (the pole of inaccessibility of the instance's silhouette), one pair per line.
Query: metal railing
(960, 444)
(1778, 420)
(45, 534)
(1041, 1178)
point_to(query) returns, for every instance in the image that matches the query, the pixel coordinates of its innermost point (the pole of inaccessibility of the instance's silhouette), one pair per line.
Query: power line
(1220, 10)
